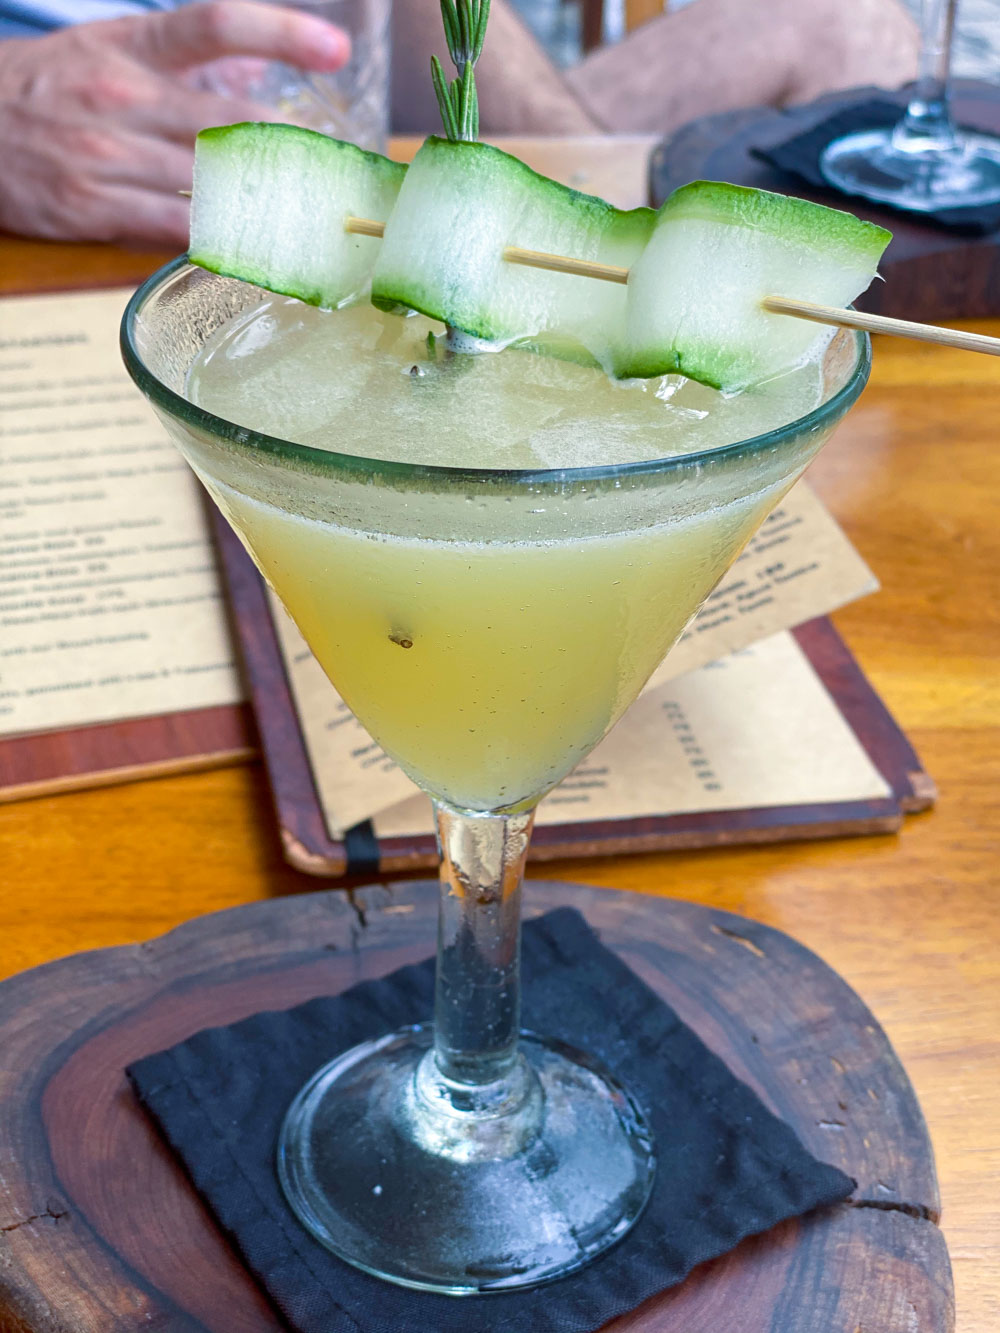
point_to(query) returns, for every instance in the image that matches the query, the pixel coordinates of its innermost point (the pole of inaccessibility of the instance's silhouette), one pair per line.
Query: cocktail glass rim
(333, 464)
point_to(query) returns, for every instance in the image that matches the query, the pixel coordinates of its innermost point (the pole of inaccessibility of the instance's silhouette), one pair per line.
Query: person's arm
(520, 90)
(709, 56)
(714, 55)
(97, 121)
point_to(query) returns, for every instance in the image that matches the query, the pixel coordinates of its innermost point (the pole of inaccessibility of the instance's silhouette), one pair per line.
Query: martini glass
(924, 162)
(465, 1155)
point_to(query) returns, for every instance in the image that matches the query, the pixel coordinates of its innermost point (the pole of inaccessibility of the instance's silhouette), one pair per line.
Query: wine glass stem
(928, 123)
(477, 997)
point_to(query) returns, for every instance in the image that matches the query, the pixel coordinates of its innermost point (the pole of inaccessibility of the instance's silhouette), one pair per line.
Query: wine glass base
(409, 1186)
(874, 164)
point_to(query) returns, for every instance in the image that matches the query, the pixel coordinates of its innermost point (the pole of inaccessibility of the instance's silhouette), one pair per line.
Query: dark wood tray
(100, 1231)
(308, 845)
(931, 274)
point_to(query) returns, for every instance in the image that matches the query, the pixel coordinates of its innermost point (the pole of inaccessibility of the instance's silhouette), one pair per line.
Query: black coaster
(727, 1167)
(800, 156)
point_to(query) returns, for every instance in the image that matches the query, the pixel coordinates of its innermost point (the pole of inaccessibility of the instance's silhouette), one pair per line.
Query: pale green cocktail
(487, 646)
(488, 621)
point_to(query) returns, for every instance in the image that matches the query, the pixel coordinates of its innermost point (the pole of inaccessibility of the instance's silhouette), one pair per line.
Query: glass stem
(927, 125)
(477, 999)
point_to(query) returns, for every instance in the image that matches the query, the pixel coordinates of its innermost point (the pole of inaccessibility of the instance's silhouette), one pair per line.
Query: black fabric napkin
(727, 1167)
(800, 157)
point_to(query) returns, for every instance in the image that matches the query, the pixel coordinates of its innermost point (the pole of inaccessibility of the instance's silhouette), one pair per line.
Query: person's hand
(97, 121)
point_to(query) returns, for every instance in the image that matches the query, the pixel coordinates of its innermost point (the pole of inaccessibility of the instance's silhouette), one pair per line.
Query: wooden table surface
(911, 921)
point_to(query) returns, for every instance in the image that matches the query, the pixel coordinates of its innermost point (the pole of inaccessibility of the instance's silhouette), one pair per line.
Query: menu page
(799, 565)
(110, 603)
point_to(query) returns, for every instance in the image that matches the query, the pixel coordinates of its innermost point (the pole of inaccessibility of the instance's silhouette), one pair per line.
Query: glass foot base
(881, 165)
(433, 1185)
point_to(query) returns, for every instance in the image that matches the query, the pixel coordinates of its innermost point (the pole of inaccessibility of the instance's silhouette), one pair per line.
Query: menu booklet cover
(118, 659)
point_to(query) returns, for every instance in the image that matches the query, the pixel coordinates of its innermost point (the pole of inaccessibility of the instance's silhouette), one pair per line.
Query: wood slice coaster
(931, 274)
(100, 1231)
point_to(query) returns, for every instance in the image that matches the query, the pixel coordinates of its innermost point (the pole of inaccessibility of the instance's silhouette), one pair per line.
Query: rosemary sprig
(464, 30)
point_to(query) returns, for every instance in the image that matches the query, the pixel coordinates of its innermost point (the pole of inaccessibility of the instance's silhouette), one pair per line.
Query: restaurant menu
(111, 608)
(110, 601)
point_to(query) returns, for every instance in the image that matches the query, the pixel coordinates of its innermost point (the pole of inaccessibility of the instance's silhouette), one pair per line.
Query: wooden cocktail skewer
(900, 328)
(779, 305)
(583, 268)
(819, 314)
